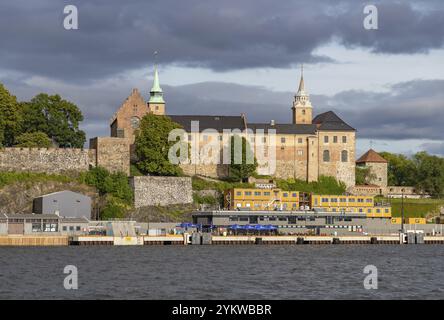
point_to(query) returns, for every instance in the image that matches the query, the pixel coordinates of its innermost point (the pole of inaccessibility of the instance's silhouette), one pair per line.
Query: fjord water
(223, 272)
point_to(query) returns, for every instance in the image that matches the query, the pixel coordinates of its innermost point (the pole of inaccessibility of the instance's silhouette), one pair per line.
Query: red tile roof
(371, 156)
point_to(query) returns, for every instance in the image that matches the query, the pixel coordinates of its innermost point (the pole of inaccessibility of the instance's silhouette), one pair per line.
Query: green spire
(156, 94)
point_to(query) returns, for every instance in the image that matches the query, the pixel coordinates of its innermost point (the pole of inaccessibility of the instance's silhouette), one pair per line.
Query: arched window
(344, 156)
(326, 156)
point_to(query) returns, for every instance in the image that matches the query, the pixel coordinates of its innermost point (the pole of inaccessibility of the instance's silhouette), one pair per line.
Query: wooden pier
(22, 240)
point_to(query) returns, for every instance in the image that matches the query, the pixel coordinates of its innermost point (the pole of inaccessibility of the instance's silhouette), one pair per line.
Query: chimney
(272, 123)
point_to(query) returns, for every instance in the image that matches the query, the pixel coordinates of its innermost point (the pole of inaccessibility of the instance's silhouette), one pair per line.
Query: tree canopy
(423, 171)
(10, 117)
(33, 140)
(152, 146)
(46, 114)
(243, 170)
(56, 117)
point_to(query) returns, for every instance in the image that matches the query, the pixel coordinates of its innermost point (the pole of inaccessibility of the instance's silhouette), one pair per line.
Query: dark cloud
(115, 36)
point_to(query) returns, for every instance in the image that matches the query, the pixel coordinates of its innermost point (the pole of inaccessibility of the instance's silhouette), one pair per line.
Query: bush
(7, 178)
(325, 185)
(33, 140)
(115, 188)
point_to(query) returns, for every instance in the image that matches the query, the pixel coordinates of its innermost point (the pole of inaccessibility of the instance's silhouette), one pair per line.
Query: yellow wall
(261, 199)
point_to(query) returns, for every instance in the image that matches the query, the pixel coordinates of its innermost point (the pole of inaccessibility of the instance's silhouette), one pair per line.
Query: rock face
(17, 198)
(161, 191)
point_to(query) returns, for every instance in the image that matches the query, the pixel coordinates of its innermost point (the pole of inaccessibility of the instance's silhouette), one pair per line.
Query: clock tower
(302, 109)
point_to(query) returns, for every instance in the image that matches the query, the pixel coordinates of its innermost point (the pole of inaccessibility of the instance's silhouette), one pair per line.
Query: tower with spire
(156, 104)
(302, 109)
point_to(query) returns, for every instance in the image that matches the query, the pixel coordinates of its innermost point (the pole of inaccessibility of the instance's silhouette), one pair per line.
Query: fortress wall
(48, 160)
(154, 190)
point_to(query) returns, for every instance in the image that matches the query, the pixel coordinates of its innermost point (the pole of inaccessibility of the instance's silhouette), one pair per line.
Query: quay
(208, 239)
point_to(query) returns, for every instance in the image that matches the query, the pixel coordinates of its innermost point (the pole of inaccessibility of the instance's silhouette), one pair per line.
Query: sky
(230, 57)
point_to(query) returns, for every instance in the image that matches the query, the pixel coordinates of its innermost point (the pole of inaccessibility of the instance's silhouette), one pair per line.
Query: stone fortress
(306, 148)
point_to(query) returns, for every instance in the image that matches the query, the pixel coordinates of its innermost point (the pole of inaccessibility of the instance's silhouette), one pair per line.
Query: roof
(63, 192)
(329, 121)
(210, 122)
(371, 156)
(285, 128)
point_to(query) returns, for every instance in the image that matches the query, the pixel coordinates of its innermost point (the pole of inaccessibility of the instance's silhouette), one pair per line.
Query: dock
(208, 239)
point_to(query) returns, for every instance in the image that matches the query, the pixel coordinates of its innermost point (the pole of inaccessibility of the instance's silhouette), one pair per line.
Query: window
(78, 228)
(285, 195)
(344, 139)
(326, 139)
(303, 112)
(238, 193)
(299, 140)
(282, 140)
(334, 200)
(324, 200)
(351, 200)
(335, 139)
(343, 200)
(64, 228)
(344, 156)
(257, 193)
(71, 228)
(266, 193)
(326, 156)
(248, 193)
(300, 152)
(294, 195)
(221, 138)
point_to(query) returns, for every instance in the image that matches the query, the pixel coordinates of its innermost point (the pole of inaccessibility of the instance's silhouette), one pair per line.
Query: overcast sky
(228, 57)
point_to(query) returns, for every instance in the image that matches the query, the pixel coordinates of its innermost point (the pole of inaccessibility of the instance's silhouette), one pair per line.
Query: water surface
(223, 272)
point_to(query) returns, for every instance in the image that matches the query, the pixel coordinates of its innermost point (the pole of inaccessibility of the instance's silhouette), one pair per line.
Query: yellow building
(261, 199)
(351, 204)
(277, 199)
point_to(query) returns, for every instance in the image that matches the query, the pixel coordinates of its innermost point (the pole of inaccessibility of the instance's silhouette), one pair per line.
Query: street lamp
(402, 210)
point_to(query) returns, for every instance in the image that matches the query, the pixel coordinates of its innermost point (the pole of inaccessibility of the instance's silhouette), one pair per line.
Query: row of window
(283, 139)
(326, 156)
(335, 139)
(350, 200)
(362, 210)
(265, 193)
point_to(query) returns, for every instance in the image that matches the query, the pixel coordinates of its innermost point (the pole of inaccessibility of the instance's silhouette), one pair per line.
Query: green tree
(245, 169)
(10, 117)
(33, 140)
(430, 173)
(363, 175)
(401, 170)
(152, 146)
(56, 117)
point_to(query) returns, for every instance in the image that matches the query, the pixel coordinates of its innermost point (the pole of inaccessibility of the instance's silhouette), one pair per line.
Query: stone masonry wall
(163, 191)
(112, 153)
(48, 160)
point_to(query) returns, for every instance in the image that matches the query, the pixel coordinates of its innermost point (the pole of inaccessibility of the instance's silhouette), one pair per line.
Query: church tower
(302, 109)
(156, 104)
